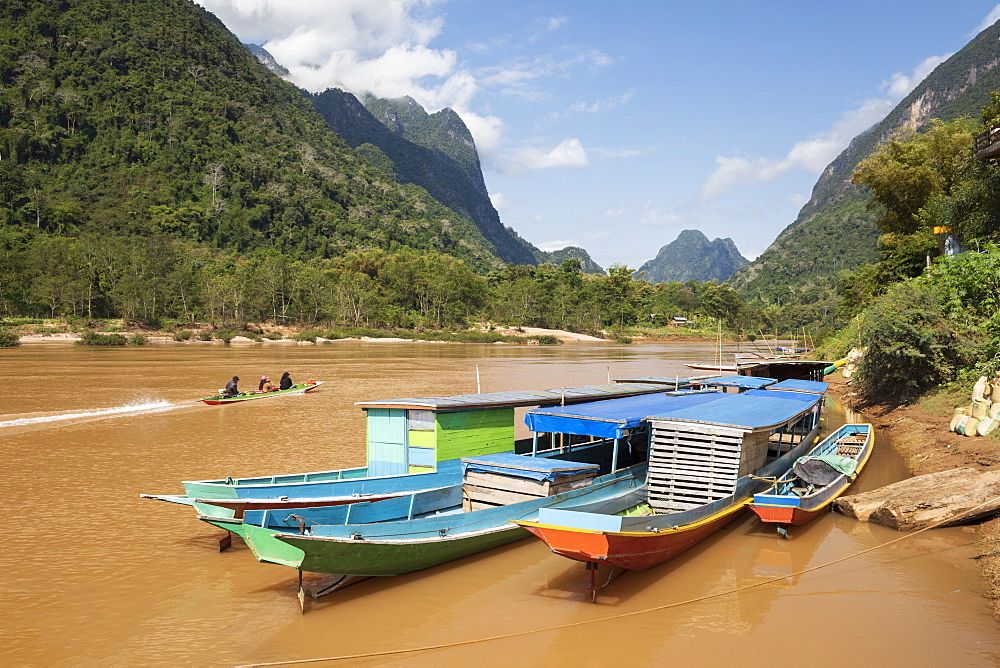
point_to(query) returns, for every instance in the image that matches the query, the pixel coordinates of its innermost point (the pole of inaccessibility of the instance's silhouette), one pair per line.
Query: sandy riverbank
(920, 433)
(158, 338)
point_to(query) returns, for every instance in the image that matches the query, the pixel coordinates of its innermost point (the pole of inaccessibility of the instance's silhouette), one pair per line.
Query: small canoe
(816, 479)
(301, 388)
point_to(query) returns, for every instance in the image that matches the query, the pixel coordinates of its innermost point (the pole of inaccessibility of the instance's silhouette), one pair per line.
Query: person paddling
(231, 387)
(286, 382)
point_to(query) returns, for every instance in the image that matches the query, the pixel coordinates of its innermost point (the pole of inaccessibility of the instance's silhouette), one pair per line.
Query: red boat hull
(796, 517)
(635, 551)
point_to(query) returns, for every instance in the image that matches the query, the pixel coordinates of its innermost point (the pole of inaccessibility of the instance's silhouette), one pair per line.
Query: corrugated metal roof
(682, 382)
(517, 398)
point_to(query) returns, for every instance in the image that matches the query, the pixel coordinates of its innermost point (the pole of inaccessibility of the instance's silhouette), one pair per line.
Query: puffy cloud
(814, 154)
(568, 153)
(650, 217)
(556, 244)
(990, 19)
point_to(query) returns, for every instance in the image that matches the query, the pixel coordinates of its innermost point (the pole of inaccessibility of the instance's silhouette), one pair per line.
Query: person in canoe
(286, 381)
(232, 388)
(265, 384)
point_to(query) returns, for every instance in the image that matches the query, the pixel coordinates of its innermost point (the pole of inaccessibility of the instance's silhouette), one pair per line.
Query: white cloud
(650, 217)
(814, 154)
(990, 19)
(556, 244)
(568, 153)
(500, 202)
(617, 212)
(899, 85)
(381, 47)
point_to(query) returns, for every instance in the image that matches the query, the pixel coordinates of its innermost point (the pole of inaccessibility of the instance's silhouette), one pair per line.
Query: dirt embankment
(920, 433)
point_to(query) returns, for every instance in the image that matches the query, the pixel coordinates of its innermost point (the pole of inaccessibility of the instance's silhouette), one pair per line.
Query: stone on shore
(945, 498)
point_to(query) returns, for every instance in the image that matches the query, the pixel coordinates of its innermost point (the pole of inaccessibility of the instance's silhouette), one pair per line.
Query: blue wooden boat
(412, 444)
(815, 481)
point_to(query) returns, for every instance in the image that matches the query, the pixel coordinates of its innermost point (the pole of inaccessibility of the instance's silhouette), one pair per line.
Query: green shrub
(308, 335)
(253, 336)
(273, 336)
(91, 338)
(113, 328)
(623, 339)
(204, 335)
(548, 339)
(910, 345)
(15, 322)
(47, 330)
(9, 340)
(225, 335)
(138, 340)
(182, 335)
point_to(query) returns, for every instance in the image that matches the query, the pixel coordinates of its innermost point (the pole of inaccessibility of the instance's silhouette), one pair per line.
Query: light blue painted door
(386, 441)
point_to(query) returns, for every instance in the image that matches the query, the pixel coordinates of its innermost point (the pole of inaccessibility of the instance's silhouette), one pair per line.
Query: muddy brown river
(93, 575)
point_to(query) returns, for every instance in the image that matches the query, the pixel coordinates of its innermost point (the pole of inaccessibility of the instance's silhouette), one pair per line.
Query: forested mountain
(692, 256)
(149, 117)
(834, 232)
(435, 151)
(557, 257)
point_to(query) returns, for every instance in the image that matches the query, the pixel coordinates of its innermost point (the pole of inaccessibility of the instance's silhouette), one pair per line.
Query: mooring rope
(515, 634)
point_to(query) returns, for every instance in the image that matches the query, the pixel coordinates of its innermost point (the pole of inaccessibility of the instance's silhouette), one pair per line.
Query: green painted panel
(469, 433)
(422, 439)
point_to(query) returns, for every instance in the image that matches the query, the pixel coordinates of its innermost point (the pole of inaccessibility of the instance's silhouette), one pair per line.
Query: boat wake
(130, 408)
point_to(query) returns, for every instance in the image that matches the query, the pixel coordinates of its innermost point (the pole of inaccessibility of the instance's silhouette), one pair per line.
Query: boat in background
(815, 480)
(300, 388)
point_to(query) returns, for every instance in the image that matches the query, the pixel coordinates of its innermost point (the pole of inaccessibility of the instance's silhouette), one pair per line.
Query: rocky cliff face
(693, 257)
(434, 151)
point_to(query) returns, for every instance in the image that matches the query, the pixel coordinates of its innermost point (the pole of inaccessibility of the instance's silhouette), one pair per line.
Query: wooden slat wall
(689, 467)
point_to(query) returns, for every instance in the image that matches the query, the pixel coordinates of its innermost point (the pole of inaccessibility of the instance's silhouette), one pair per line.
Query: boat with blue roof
(709, 453)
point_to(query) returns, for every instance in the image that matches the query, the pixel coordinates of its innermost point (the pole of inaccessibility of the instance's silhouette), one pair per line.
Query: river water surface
(92, 574)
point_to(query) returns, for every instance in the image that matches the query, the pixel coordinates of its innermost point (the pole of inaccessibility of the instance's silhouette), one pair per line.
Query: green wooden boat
(300, 388)
(394, 547)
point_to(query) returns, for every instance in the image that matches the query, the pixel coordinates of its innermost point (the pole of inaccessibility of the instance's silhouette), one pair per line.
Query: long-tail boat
(706, 461)
(222, 398)
(412, 444)
(815, 480)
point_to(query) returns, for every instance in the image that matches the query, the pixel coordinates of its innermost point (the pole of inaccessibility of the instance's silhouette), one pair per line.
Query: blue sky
(615, 125)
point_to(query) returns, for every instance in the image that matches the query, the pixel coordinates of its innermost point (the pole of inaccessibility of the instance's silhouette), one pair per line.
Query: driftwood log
(945, 498)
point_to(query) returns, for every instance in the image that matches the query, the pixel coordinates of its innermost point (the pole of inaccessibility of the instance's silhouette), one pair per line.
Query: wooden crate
(487, 490)
(691, 465)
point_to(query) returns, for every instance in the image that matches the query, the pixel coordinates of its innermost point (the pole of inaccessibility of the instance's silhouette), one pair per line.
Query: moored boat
(300, 388)
(814, 481)
(412, 444)
(705, 463)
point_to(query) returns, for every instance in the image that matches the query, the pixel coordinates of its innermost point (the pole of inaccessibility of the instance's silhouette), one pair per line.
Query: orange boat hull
(635, 551)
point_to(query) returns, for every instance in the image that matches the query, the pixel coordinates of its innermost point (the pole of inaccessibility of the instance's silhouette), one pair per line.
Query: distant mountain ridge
(833, 231)
(691, 256)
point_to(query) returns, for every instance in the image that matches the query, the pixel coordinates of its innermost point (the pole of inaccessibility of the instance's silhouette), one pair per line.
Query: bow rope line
(515, 634)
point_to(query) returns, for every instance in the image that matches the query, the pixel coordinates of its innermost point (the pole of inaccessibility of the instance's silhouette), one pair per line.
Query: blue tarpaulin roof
(609, 419)
(794, 396)
(532, 468)
(745, 382)
(755, 409)
(795, 385)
